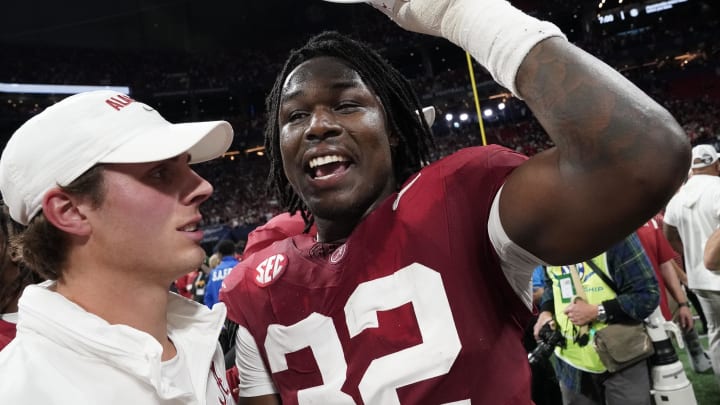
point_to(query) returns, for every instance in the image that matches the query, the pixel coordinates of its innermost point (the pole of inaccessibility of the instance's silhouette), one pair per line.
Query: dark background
(200, 25)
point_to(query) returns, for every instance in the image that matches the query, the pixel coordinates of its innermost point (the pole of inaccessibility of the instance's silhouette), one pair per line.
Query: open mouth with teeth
(323, 167)
(189, 228)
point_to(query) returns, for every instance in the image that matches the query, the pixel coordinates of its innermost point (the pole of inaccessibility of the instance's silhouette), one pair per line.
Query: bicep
(549, 208)
(604, 178)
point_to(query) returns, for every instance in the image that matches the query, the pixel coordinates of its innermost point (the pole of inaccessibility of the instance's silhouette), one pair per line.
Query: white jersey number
(416, 284)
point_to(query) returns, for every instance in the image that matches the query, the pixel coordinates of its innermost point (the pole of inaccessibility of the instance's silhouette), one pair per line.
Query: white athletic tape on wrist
(495, 33)
(498, 35)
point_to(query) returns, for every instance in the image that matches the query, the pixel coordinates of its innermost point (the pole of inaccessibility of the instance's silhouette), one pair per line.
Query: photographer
(583, 378)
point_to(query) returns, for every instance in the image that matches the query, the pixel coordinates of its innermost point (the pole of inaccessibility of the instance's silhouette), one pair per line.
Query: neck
(120, 301)
(333, 231)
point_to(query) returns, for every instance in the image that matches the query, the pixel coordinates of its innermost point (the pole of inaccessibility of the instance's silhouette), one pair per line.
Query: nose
(323, 124)
(199, 189)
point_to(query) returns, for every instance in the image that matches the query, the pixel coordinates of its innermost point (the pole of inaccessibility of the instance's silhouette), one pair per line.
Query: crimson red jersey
(413, 309)
(658, 251)
(7, 333)
(277, 228)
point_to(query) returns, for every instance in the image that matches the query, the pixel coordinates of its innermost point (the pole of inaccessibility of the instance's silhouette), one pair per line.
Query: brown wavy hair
(44, 247)
(14, 274)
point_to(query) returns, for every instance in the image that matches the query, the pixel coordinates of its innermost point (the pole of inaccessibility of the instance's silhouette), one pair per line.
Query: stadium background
(216, 59)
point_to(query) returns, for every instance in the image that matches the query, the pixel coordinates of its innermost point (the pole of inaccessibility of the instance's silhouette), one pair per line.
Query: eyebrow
(339, 85)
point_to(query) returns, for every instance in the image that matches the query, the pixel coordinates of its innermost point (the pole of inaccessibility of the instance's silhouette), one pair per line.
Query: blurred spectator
(226, 253)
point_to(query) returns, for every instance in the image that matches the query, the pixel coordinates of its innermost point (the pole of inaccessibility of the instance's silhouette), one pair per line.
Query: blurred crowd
(680, 67)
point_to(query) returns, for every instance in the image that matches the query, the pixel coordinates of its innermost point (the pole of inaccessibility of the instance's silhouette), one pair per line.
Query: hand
(581, 313)
(685, 318)
(543, 318)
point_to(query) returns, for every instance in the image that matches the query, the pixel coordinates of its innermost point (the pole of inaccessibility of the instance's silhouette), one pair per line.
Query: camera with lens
(549, 338)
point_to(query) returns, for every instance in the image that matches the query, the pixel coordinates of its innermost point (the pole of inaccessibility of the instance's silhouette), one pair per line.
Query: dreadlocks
(402, 108)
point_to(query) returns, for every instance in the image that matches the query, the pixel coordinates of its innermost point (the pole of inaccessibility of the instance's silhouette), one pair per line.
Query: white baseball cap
(64, 141)
(703, 156)
(379, 4)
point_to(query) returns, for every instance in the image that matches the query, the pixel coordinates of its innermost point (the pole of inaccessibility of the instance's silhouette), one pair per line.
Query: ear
(66, 212)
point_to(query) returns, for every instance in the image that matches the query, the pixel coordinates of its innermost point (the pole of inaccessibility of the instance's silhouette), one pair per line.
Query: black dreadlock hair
(402, 108)
(10, 255)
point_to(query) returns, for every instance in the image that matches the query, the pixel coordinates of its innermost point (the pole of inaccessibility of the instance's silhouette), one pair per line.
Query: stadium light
(28, 88)
(463, 117)
(448, 117)
(488, 112)
(501, 106)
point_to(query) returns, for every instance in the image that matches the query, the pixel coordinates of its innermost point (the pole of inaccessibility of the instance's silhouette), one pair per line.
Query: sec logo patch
(270, 269)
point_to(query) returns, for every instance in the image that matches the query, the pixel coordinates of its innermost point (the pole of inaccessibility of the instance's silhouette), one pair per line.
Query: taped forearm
(495, 33)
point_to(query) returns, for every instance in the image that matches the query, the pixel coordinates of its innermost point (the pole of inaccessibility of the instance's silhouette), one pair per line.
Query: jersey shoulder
(250, 278)
(277, 228)
(483, 162)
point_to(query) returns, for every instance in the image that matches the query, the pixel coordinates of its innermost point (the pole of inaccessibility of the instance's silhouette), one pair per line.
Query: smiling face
(149, 216)
(335, 144)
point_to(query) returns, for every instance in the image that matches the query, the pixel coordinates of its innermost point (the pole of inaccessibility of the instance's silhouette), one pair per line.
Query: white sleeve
(517, 263)
(254, 378)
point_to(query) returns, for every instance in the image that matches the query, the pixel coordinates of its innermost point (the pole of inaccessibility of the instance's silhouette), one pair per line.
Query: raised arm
(619, 155)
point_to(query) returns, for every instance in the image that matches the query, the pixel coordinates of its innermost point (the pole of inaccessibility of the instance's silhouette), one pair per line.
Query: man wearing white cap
(691, 216)
(104, 185)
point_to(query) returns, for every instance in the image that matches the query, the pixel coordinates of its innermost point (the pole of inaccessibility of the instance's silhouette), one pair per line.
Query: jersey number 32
(416, 284)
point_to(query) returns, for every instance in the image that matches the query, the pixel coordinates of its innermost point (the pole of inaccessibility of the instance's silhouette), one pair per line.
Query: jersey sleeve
(517, 263)
(254, 377)
(665, 250)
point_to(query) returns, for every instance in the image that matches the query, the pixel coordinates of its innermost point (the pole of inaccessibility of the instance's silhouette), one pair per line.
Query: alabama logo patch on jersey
(270, 269)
